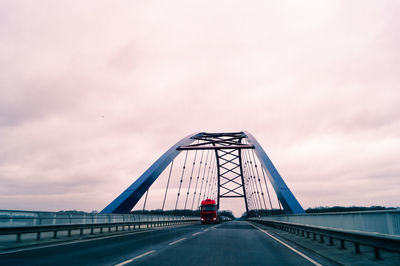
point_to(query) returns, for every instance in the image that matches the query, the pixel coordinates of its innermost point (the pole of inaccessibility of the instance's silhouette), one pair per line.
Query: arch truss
(238, 175)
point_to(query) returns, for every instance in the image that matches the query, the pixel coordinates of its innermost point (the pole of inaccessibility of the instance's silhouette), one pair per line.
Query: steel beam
(216, 147)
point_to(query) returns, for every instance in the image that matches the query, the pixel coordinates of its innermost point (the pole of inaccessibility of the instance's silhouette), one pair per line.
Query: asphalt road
(231, 243)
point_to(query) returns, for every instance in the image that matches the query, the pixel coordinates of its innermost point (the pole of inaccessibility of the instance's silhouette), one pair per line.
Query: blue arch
(128, 199)
(285, 196)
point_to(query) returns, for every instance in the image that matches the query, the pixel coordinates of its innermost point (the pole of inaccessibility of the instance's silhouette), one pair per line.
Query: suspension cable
(211, 187)
(208, 181)
(266, 185)
(166, 190)
(198, 175)
(257, 200)
(211, 166)
(279, 203)
(180, 184)
(145, 200)
(255, 180)
(215, 186)
(248, 181)
(211, 182)
(190, 180)
(259, 180)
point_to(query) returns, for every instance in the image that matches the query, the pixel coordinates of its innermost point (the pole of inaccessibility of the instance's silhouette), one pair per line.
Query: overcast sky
(93, 92)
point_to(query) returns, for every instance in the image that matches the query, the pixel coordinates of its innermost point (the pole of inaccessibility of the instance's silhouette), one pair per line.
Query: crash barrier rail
(69, 228)
(43, 224)
(11, 218)
(381, 221)
(375, 240)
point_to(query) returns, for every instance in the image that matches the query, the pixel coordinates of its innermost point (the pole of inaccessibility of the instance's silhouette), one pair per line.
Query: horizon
(94, 92)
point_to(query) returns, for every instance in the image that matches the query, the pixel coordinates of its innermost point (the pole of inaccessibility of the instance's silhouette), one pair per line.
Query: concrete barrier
(384, 222)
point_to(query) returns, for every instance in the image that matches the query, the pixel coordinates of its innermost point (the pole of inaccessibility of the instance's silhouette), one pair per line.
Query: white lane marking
(286, 245)
(195, 234)
(88, 240)
(73, 242)
(176, 241)
(135, 258)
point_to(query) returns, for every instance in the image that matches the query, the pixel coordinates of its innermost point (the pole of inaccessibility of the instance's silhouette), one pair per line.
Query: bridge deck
(232, 243)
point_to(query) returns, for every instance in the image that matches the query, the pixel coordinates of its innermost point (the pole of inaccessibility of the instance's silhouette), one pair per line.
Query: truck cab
(209, 212)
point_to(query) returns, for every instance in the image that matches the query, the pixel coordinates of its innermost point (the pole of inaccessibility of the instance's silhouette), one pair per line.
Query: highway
(231, 243)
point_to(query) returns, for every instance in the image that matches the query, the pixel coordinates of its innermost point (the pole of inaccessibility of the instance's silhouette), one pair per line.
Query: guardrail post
(377, 253)
(330, 241)
(55, 234)
(81, 231)
(314, 236)
(357, 248)
(19, 237)
(69, 232)
(38, 236)
(91, 231)
(321, 238)
(342, 245)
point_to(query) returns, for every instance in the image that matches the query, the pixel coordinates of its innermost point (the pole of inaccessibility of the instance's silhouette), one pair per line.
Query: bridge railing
(385, 221)
(16, 226)
(10, 218)
(357, 237)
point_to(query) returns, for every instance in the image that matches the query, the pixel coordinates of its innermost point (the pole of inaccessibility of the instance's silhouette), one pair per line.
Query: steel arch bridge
(237, 173)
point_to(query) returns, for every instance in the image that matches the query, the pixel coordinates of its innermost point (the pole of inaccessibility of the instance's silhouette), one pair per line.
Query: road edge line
(287, 245)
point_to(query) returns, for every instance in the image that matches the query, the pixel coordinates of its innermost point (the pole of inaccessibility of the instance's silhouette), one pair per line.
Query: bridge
(219, 166)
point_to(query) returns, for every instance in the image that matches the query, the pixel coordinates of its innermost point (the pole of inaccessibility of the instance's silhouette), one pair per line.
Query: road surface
(231, 243)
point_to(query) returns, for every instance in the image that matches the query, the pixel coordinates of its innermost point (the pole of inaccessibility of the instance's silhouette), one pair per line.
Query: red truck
(209, 212)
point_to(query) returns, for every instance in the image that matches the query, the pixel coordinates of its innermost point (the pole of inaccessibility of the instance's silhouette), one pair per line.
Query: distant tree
(169, 212)
(73, 212)
(346, 209)
(227, 213)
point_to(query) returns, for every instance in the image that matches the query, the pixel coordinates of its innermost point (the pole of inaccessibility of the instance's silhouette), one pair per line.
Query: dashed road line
(135, 258)
(195, 234)
(72, 242)
(288, 246)
(176, 241)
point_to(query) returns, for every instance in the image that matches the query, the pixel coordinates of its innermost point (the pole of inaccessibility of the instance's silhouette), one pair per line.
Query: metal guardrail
(12, 218)
(375, 240)
(119, 226)
(381, 221)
